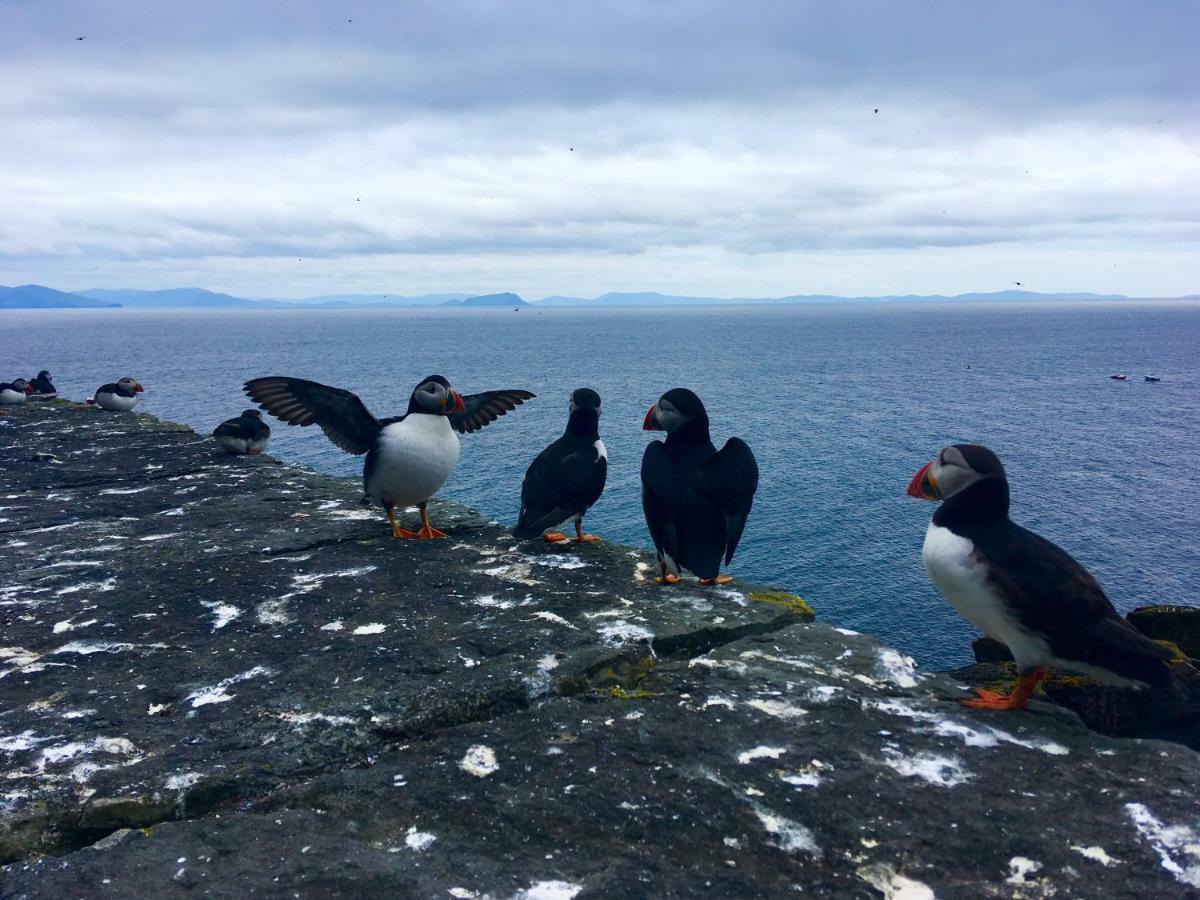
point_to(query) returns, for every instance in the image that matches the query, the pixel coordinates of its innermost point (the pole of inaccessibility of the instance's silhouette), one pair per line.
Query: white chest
(601, 450)
(9, 397)
(115, 401)
(414, 459)
(951, 564)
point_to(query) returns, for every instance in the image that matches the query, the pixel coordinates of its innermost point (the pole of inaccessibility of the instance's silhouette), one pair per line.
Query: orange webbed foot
(554, 537)
(720, 579)
(428, 533)
(992, 700)
(586, 539)
(668, 578)
(403, 534)
(1018, 699)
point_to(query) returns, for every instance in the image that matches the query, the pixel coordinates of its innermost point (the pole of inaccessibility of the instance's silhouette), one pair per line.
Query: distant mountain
(175, 298)
(357, 300)
(505, 299)
(651, 298)
(35, 296)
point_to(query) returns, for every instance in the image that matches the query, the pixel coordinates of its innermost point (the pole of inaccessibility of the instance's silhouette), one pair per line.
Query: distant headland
(36, 296)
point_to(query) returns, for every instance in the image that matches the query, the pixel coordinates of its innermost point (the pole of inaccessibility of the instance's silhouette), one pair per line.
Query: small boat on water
(1152, 378)
(1120, 376)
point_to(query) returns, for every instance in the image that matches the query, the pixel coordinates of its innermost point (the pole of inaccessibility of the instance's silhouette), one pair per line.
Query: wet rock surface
(222, 677)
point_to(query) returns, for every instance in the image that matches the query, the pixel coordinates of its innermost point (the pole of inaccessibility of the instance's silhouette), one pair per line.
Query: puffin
(122, 396)
(43, 388)
(15, 392)
(247, 435)
(1021, 589)
(409, 457)
(566, 478)
(696, 498)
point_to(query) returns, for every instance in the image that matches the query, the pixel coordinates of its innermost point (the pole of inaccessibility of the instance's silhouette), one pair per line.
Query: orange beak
(650, 423)
(922, 486)
(137, 389)
(458, 406)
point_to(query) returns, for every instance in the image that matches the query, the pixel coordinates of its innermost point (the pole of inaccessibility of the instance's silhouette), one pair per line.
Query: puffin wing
(341, 415)
(563, 480)
(483, 409)
(731, 479)
(230, 428)
(1053, 595)
(658, 475)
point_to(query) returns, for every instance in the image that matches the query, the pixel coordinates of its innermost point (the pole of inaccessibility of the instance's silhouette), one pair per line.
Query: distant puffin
(1021, 589)
(696, 498)
(408, 457)
(247, 435)
(15, 393)
(122, 396)
(43, 388)
(567, 477)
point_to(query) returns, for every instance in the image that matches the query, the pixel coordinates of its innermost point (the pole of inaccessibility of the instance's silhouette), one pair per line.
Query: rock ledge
(222, 677)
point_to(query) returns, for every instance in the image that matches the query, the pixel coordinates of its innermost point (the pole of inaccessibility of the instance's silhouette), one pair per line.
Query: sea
(841, 404)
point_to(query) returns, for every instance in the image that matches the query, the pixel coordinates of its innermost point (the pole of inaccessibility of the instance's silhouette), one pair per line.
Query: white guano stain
(274, 612)
(549, 890)
(942, 771)
(418, 841)
(1096, 854)
(223, 613)
(555, 618)
(1020, 868)
(790, 836)
(479, 760)
(892, 884)
(761, 752)
(1177, 846)
(218, 693)
(60, 627)
(898, 669)
(566, 561)
(622, 632)
(370, 628)
(182, 780)
(780, 709)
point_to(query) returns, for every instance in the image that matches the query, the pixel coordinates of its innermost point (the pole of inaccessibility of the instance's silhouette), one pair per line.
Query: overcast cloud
(720, 148)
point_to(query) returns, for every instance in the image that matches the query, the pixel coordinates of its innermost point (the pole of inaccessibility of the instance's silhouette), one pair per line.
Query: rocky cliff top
(222, 677)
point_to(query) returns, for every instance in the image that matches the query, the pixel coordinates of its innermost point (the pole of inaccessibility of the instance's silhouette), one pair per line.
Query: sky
(743, 149)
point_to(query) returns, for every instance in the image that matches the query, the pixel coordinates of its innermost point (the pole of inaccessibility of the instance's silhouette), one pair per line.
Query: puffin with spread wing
(409, 457)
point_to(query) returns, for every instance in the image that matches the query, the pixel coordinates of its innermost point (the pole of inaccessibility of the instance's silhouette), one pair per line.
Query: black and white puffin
(43, 387)
(696, 498)
(247, 435)
(15, 392)
(409, 457)
(122, 396)
(1021, 589)
(566, 478)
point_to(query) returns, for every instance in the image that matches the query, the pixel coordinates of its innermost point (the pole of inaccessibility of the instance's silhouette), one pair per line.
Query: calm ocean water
(841, 405)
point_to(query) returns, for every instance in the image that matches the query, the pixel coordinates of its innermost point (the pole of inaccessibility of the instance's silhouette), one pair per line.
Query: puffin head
(675, 409)
(434, 396)
(22, 385)
(955, 469)
(584, 398)
(44, 374)
(130, 384)
(252, 414)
